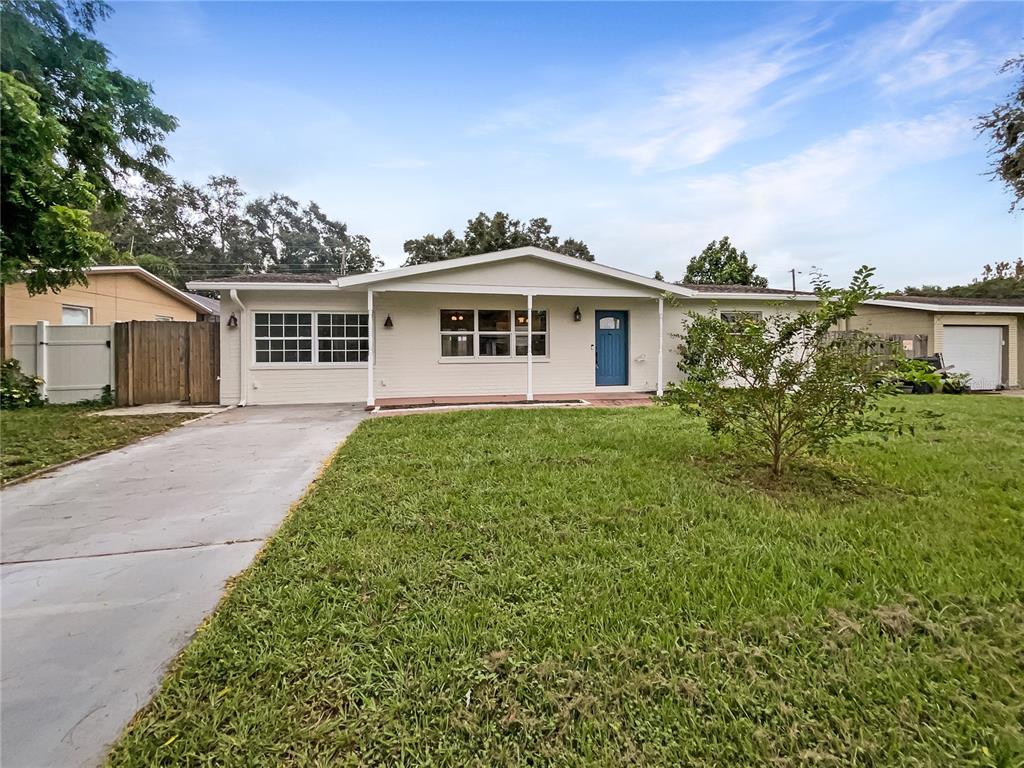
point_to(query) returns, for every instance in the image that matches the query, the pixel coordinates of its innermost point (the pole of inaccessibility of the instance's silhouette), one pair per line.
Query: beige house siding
(893, 320)
(110, 297)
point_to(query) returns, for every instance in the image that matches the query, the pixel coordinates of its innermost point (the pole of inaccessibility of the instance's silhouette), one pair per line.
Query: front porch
(593, 399)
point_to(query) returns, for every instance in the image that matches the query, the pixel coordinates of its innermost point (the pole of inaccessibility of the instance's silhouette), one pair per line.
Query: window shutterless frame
(462, 339)
(309, 339)
(74, 314)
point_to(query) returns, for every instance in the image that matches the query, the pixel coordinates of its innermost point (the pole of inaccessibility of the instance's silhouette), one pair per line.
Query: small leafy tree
(720, 263)
(785, 384)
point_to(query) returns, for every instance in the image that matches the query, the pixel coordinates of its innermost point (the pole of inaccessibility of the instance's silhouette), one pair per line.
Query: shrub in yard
(17, 390)
(920, 375)
(785, 384)
(956, 383)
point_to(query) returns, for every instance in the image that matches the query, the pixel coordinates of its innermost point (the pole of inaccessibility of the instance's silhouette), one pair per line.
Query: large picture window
(490, 333)
(291, 337)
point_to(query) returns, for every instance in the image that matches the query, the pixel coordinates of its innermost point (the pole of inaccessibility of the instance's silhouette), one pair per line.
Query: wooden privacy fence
(162, 362)
(889, 344)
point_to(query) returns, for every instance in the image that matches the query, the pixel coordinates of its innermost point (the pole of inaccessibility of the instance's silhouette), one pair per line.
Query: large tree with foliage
(720, 263)
(485, 234)
(215, 230)
(783, 384)
(73, 129)
(46, 237)
(114, 130)
(1005, 127)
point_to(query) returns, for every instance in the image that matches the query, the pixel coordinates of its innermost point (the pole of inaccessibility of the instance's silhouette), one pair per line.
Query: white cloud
(686, 111)
(805, 209)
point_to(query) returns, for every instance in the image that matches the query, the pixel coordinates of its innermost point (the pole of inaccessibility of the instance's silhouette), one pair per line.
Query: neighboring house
(523, 323)
(981, 337)
(113, 293)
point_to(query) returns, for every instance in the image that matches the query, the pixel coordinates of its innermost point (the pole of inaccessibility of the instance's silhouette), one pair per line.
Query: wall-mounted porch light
(232, 321)
(577, 315)
(388, 323)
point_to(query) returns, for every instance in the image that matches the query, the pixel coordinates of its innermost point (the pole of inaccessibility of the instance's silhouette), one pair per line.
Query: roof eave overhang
(199, 285)
(974, 309)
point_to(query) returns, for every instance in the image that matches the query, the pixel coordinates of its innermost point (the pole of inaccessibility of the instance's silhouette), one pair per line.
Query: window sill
(304, 366)
(489, 360)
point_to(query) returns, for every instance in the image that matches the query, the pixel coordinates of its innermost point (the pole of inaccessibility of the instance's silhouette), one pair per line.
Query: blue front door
(611, 347)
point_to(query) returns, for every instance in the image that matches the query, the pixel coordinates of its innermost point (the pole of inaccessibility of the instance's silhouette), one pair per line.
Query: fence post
(112, 346)
(42, 355)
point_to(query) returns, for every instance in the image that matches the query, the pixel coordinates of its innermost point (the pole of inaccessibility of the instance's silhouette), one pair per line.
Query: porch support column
(369, 356)
(661, 345)
(529, 346)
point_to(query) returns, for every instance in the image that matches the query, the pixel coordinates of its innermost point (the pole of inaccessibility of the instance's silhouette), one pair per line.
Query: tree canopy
(484, 234)
(46, 238)
(114, 130)
(720, 263)
(1002, 280)
(74, 128)
(1005, 127)
(214, 229)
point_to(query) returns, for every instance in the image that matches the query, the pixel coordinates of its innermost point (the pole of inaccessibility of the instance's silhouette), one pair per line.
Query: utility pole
(793, 273)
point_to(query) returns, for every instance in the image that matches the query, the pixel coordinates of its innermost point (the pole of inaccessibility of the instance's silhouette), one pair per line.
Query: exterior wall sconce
(388, 323)
(232, 321)
(577, 315)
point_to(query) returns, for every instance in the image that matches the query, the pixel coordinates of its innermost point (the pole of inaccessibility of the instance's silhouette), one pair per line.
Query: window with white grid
(342, 337)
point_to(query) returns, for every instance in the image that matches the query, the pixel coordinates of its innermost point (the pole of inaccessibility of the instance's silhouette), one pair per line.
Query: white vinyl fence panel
(75, 361)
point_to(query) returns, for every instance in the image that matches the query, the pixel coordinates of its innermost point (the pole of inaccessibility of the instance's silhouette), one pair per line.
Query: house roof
(709, 288)
(149, 277)
(272, 277)
(212, 305)
(954, 300)
(950, 304)
(369, 279)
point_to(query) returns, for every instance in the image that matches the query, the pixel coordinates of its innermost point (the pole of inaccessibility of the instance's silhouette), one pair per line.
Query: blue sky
(826, 135)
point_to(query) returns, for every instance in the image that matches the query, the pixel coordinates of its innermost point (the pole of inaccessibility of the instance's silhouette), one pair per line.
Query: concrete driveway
(108, 566)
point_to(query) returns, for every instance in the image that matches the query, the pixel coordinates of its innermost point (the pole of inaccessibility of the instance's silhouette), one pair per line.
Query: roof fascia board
(991, 309)
(198, 285)
(729, 296)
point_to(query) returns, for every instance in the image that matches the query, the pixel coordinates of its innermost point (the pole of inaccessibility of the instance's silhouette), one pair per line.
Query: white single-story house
(522, 323)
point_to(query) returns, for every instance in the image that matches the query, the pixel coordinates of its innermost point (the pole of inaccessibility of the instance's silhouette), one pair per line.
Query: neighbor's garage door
(977, 350)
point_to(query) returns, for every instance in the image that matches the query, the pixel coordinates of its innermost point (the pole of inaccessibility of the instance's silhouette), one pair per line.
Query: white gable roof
(370, 278)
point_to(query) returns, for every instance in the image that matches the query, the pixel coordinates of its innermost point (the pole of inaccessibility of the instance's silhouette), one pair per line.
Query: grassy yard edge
(35, 474)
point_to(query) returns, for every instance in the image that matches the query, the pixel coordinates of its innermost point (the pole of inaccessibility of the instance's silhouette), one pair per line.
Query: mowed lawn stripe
(573, 587)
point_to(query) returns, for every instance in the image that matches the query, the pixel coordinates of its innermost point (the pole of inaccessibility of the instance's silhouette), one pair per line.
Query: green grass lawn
(35, 438)
(598, 587)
